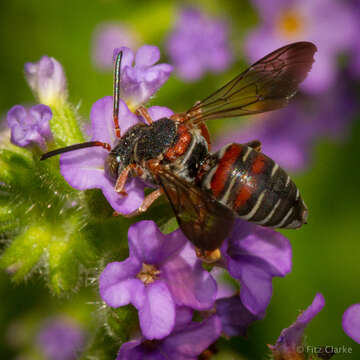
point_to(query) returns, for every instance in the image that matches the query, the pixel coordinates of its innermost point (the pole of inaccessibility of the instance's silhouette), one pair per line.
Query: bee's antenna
(75, 147)
(117, 75)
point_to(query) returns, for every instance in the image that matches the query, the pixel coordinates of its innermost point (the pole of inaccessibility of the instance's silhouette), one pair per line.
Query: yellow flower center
(148, 274)
(290, 23)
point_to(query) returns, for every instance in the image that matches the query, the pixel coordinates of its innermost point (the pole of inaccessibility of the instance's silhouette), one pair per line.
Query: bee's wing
(203, 220)
(266, 85)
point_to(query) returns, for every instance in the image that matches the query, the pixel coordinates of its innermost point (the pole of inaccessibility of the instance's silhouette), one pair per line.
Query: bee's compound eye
(111, 166)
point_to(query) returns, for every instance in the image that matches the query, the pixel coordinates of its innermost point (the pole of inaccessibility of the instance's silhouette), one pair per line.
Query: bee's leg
(255, 144)
(145, 204)
(121, 180)
(142, 111)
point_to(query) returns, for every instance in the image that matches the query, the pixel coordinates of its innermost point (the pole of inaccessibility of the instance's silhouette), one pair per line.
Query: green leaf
(63, 266)
(25, 251)
(65, 126)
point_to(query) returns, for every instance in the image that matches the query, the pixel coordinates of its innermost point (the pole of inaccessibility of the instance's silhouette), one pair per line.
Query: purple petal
(193, 339)
(102, 122)
(150, 245)
(125, 204)
(127, 57)
(189, 283)
(183, 317)
(351, 322)
(42, 115)
(159, 112)
(261, 245)
(84, 169)
(322, 75)
(157, 313)
(119, 271)
(132, 350)
(268, 9)
(235, 317)
(225, 289)
(292, 336)
(256, 284)
(118, 285)
(147, 55)
(106, 38)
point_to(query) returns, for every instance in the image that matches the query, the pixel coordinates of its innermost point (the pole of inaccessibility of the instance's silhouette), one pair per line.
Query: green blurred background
(325, 252)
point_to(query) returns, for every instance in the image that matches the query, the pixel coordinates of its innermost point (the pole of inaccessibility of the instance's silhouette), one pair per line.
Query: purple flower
(108, 36)
(187, 341)
(47, 80)
(330, 24)
(254, 255)
(351, 322)
(161, 272)
(144, 79)
(84, 169)
(198, 44)
(292, 337)
(61, 338)
(30, 127)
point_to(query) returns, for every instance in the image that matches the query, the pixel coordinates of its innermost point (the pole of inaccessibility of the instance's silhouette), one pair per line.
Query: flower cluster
(198, 44)
(163, 276)
(30, 127)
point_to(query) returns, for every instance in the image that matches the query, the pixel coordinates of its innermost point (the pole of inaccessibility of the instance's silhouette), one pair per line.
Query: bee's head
(111, 166)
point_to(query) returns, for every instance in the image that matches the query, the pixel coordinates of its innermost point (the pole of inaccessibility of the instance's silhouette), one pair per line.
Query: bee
(209, 190)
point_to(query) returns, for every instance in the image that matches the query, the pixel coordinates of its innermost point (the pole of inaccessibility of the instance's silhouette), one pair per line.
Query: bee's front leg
(142, 111)
(121, 180)
(144, 206)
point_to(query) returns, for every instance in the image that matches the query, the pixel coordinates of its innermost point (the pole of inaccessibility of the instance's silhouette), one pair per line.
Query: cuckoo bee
(209, 190)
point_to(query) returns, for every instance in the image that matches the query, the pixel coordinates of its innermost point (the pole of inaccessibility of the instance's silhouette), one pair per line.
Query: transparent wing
(266, 85)
(203, 220)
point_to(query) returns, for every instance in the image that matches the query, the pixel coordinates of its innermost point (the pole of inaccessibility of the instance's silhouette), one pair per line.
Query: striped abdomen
(255, 187)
